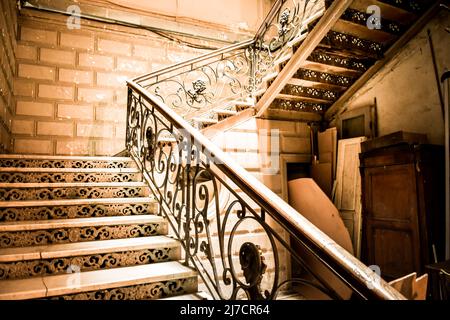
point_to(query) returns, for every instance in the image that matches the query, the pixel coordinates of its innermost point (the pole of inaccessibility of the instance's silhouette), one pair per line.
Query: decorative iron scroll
(66, 235)
(31, 268)
(76, 211)
(214, 82)
(80, 164)
(23, 194)
(188, 183)
(156, 290)
(197, 86)
(30, 177)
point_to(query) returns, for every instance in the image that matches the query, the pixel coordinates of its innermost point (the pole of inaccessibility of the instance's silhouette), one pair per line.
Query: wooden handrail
(347, 267)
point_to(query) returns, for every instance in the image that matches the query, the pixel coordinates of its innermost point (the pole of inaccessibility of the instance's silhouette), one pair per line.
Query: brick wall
(250, 143)
(70, 86)
(8, 26)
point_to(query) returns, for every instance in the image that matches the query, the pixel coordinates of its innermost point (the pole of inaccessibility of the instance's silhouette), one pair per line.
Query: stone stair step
(75, 208)
(56, 191)
(72, 184)
(74, 202)
(172, 276)
(80, 222)
(204, 122)
(30, 161)
(225, 111)
(23, 262)
(85, 248)
(71, 170)
(60, 157)
(41, 232)
(43, 175)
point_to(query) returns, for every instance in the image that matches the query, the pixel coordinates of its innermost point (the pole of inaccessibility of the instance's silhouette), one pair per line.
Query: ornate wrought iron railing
(238, 234)
(195, 87)
(212, 203)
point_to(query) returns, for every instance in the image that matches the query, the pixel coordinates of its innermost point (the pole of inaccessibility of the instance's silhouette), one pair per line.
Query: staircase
(84, 228)
(347, 57)
(87, 227)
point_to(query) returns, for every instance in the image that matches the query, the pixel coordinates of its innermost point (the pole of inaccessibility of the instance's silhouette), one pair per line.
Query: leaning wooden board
(308, 199)
(348, 188)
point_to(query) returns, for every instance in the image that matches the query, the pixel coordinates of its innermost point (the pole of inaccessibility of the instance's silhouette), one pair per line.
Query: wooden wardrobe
(403, 211)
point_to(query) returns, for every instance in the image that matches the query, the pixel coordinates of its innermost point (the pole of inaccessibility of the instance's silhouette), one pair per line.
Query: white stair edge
(81, 158)
(85, 248)
(75, 202)
(244, 103)
(71, 184)
(224, 111)
(205, 120)
(12, 226)
(70, 170)
(41, 287)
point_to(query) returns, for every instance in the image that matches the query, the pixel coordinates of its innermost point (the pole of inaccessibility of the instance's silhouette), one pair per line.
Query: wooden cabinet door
(348, 188)
(391, 220)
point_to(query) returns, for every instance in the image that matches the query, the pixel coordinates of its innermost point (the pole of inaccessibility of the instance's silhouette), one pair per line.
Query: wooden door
(348, 188)
(391, 235)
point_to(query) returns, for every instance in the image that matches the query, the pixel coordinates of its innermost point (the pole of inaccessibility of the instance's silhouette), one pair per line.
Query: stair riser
(43, 163)
(78, 211)
(44, 267)
(19, 194)
(34, 177)
(79, 234)
(148, 291)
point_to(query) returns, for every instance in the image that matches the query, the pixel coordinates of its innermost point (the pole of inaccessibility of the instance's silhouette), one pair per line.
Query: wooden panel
(398, 180)
(411, 287)
(348, 187)
(391, 225)
(393, 251)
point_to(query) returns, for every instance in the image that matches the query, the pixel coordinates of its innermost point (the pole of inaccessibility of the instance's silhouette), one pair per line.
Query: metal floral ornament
(198, 89)
(284, 21)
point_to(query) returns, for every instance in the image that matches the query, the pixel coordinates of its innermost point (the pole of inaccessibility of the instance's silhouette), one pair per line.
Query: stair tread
(40, 287)
(225, 111)
(78, 222)
(208, 120)
(243, 103)
(68, 202)
(84, 248)
(48, 157)
(69, 170)
(71, 184)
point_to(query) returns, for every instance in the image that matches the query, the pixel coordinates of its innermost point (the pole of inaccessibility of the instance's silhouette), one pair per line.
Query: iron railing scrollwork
(241, 247)
(234, 231)
(195, 87)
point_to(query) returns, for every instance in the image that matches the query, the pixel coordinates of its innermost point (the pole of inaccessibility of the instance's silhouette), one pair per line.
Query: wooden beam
(389, 54)
(327, 21)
